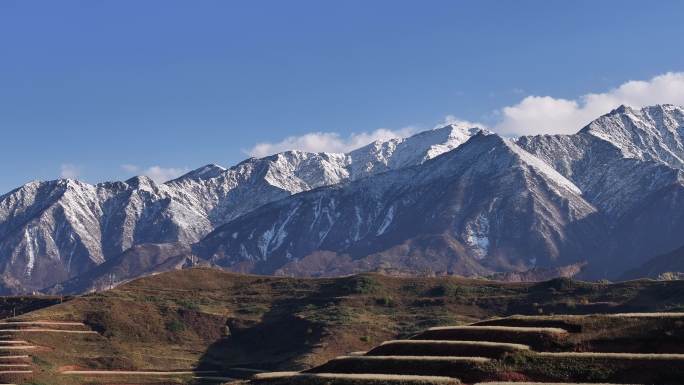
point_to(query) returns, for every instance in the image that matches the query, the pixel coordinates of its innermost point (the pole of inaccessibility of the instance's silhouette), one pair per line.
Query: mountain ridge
(334, 211)
(436, 200)
(68, 220)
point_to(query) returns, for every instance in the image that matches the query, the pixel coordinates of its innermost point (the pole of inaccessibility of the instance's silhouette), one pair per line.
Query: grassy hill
(210, 320)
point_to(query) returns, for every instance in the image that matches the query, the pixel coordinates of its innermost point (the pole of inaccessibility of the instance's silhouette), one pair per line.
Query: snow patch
(30, 252)
(265, 240)
(244, 253)
(389, 217)
(476, 236)
(281, 233)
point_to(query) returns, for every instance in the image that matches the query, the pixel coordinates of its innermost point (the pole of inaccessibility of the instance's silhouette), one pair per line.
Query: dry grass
(509, 329)
(445, 348)
(546, 383)
(15, 347)
(269, 375)
(567, 324)
(502, 345)
(415, 358)
(538, 338)
(467, 369)
(640, 368)
(338, 378)
(53, 323)
(619, 333)
(646, 315)
(132, 372)
(620, 356)
(580, 316)
(45, 330)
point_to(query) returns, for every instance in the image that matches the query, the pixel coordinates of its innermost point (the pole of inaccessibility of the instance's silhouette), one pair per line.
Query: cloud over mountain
(326, 142)
(156, 173)
(549, 115)
(532, 115)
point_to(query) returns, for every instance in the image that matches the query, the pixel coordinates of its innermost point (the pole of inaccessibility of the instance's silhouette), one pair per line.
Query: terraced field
(204, 326)
(17, 355)
(603, 348)
(30, 349)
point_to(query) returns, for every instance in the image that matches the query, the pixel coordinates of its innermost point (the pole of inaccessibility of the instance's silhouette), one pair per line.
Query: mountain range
(453, 200)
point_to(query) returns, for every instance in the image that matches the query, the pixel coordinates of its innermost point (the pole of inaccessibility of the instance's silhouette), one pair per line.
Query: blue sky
(105, 89)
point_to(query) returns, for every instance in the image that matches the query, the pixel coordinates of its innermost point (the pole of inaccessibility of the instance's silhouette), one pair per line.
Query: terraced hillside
(643, 348)
(177, 326)
(53, 352)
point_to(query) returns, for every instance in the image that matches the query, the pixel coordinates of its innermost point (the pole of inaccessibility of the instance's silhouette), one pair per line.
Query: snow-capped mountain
(628, 165)
(53, 231)
(402, 152)
(456, 199)
(496, 206)
(612, 195)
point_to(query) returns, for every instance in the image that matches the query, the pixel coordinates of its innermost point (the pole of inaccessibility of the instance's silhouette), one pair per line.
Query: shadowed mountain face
(454, 199)
(666, 266)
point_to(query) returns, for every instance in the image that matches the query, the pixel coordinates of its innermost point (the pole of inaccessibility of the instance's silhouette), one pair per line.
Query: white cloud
(69, 171)
(451, 119)
(532, 115)
(326, 142)
(156, 173)
(548, 115)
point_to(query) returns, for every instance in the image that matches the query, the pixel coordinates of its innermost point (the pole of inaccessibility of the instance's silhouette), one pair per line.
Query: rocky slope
(628, 165)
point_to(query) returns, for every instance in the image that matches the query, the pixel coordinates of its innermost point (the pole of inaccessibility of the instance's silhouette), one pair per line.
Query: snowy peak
(449, 137)
(297, 171)
(381, 156)
(654, 133)
(443, 139)
(141, 182)
(205, 172)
